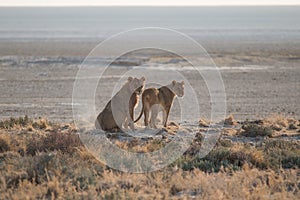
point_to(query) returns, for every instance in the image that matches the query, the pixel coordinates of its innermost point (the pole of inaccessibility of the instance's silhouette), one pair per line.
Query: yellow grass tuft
(276, 120)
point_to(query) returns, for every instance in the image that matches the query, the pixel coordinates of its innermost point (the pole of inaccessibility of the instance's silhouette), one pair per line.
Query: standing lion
(118, 111)
(161, 99)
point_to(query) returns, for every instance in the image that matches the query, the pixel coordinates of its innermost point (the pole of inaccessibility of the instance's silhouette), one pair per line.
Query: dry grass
(141, 147)
(47, 161)
(254, 130)
(273, 126)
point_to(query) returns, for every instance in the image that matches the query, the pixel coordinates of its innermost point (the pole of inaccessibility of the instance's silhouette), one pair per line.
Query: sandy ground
(37, 78)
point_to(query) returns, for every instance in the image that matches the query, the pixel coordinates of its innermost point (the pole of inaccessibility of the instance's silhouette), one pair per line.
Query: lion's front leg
(131, 125)
(129, 121)
(126, 123)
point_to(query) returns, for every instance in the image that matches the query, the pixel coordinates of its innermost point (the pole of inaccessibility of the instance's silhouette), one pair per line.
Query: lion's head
(178, 88)
(136, 85)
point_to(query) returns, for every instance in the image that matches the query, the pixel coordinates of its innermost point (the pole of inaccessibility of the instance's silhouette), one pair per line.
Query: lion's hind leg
(154, 113)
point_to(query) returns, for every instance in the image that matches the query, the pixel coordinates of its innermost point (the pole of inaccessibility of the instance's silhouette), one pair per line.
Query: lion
(119, 110)
(133, 103)
(161, 99)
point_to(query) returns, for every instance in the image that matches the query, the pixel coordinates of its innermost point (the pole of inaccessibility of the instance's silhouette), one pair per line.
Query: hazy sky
(145, 2)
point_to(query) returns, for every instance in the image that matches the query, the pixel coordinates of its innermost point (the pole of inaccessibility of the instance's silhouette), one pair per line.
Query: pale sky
(144, 2)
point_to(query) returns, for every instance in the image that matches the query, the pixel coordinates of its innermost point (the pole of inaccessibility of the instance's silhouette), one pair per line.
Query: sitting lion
(156, 100)
(119, 110)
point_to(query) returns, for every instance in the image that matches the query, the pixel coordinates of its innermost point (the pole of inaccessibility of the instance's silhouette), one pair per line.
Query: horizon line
(233, 5)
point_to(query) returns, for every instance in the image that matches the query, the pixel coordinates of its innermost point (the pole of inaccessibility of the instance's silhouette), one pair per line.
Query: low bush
(254, 130)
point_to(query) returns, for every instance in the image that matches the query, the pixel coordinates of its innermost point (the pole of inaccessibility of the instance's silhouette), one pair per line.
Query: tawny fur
(119, 110)
(161, 99)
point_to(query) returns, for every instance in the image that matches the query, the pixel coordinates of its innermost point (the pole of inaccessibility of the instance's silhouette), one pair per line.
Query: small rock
(251, 144)
(291, 120)
(230, 121)
(164, 137)
(164, 130)
(30, 128)
(43, 74)
(276, 127)
(66, 126)
(203, 123)
(259, 122)
(283, 123)
(292, 127)
(230, 132)
(173, 124)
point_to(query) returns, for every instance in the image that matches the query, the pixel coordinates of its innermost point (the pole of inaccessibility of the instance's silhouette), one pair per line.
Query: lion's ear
(143, 78)
(130, 79)
(182, 83)
(174, 82)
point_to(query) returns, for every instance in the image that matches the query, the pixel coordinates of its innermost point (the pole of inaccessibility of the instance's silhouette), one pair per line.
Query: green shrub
(254, 130)
(282, 153)
(10, 123)
(4, 146)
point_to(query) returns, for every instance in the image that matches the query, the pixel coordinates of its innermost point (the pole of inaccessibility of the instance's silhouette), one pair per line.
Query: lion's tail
(140, 114)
